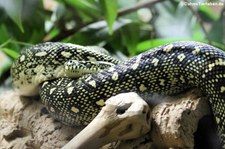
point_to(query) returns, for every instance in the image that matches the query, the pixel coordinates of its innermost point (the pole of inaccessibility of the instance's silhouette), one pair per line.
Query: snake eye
(88, 65)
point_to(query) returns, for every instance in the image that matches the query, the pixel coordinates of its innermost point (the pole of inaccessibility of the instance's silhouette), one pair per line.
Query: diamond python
(48, 69)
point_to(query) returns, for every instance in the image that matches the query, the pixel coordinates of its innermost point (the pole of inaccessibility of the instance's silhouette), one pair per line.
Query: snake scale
(76, 100)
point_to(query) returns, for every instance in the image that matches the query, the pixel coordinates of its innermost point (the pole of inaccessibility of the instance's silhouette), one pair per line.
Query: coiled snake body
(168, 69)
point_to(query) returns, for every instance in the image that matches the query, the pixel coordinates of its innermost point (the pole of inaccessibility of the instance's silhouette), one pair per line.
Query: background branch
(195, 13)
(121, 12)
(145, 4)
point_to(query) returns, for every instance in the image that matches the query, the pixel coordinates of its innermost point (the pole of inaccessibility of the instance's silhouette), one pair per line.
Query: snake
(74, 81)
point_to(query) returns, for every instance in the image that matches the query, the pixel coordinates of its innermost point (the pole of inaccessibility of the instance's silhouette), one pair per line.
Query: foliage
(127, 26)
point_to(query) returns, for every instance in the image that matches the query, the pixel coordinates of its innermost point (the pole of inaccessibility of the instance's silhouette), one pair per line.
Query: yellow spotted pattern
(168, 69)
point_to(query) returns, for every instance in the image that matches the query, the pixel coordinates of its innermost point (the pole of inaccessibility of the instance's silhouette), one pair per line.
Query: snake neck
(46, 61)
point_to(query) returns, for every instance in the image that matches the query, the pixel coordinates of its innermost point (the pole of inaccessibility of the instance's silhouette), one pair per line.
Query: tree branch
(121, 12)
(145, 4)
(195, 13)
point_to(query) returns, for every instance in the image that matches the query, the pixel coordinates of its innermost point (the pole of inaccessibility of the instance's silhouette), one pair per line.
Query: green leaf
(13, 9)
(82, 4)
(109, 8)
(5, 63)
(207, 14)
(85, 8)
(218, 45)
(130, 37)
(148, 44)
(12, 53)
(4, 33)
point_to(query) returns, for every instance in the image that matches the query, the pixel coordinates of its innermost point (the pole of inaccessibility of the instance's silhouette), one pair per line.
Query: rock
(25, 124)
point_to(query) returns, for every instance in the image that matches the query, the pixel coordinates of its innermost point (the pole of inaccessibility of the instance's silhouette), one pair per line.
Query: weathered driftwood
(24, 125)
(125, 116)
(173, 123)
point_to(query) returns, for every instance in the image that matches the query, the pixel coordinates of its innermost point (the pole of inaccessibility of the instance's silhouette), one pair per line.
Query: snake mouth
(75, 68)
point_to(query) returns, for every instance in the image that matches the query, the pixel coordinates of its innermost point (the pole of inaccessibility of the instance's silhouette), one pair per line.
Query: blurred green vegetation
(129, 26)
